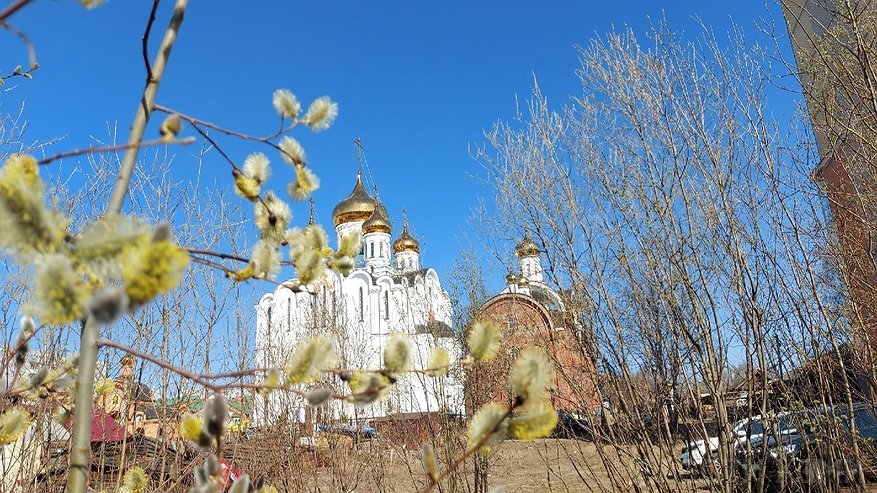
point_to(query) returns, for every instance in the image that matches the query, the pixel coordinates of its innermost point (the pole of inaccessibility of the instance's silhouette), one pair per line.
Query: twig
(233, 133)
(163, 364)
(138, 127)
(31, 51)
(146, 40)
(13, 9)
(459, 460)
(95, 150)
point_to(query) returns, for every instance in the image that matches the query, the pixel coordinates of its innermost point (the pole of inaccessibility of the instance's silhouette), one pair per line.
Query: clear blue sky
(417, 81)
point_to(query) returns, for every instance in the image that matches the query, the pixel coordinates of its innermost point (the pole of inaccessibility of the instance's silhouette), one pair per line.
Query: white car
(695, 457)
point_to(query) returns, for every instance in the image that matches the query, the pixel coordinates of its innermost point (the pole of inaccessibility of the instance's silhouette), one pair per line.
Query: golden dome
(511, 278)
(358, 206)
(405, 242)
(526, 248)
(378, 222)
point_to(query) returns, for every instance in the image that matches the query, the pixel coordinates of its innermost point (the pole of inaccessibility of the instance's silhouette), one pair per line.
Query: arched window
(361, 304)
(387, 305)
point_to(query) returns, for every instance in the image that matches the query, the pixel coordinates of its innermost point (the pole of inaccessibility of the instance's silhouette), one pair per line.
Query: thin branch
(98, 150)
(13, 9)
(146, 40)
(433, 482)
(138, 127)
(163, 364)
(233, 133)
(31, 51)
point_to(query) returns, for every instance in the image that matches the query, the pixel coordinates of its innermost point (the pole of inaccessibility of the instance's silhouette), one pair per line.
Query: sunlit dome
(527, 248)
(405, 242)
(358, 206)
(378, 222)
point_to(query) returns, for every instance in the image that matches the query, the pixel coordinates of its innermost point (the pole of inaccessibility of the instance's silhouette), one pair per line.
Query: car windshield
(866, 423)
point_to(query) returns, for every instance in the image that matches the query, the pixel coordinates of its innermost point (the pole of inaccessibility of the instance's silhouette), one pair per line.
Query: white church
(388, 292)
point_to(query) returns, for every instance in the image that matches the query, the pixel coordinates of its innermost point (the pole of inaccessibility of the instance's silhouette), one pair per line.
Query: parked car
(697, 455)
(571, 425)
(817, 455)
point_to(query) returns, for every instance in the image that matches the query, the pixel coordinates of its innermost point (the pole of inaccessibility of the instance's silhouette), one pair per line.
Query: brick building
(532, 314)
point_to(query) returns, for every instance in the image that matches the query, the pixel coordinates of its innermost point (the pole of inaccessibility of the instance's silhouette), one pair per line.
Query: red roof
(103, 427)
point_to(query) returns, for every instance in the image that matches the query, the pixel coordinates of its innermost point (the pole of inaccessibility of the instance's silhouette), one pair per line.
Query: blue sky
(417, 81)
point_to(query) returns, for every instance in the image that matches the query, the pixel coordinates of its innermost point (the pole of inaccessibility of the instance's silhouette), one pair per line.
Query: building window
(371, 252)
(387, 305)
(382, 248)
(361, 304)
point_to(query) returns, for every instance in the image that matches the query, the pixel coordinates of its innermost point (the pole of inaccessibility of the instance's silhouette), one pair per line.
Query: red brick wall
(524, 323)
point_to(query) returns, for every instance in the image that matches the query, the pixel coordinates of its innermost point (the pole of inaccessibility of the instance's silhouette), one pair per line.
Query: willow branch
(461, 459)
(98, 150)
(146, 33)
(31, 51)
(138, 127)
(13, 9)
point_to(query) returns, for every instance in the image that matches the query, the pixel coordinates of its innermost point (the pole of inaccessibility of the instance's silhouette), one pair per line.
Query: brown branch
(13, 9)
(227, 256)
(459, 460)
(146, 40)
(120, 147)
(163, 364)
(233, 133)
(31, 51)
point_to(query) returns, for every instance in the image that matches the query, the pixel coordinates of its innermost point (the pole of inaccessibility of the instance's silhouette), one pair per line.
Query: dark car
(570, 425)
(818, 452)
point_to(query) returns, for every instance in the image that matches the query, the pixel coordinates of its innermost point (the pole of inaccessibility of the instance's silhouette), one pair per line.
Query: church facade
(531, 313)
(388, 292)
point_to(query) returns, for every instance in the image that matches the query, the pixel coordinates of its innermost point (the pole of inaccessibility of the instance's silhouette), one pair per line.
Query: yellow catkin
(483, 340)
(13, 423)
(154, 269)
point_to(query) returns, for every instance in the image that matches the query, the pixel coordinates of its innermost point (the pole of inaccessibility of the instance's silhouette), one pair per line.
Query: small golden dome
(511, 278)
(405, 242)
(526, 248)
(358, 206)
(378, 222)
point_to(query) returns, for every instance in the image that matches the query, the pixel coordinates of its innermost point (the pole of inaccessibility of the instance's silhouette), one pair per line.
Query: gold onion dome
(378, 222)
(511, 278)
(358, 206)
(405, 242)
(526, 248)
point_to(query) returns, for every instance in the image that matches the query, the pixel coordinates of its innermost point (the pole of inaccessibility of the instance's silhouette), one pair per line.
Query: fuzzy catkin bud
(134, 481)
(532, 375)
(484, 340)
(536, 419)
(291, 151)
(25, 332)
(215, 415)
(307, 362)
(396, 354)
(39, 377)
(439, 361)
(108, 304)
(13, 423)
(286, 104)
(488, 427)
(170, 128)
(430, 464)
(318, 397)
(241, 485)
(321, 114)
